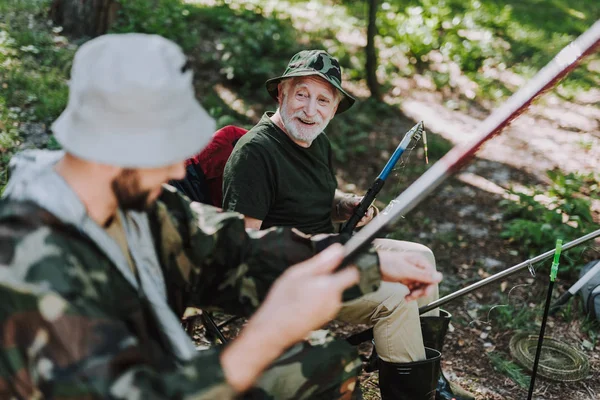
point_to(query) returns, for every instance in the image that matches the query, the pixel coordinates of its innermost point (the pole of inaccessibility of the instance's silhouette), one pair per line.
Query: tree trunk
(371, 51)
(80, 18)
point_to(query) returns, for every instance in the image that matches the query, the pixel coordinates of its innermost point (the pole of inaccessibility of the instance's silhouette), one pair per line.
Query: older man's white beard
(298, 130)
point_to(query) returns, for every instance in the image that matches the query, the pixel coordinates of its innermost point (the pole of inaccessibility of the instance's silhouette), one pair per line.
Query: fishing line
(404, 160)
(402, 165)
(522, 300)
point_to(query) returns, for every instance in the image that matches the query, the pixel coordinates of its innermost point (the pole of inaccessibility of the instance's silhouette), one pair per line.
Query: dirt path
(551, 134)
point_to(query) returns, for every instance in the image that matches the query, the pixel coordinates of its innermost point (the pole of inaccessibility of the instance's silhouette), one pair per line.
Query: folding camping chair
(203, 183)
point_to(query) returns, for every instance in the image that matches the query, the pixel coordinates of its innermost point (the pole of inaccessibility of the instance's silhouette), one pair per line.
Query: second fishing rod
(416, 132)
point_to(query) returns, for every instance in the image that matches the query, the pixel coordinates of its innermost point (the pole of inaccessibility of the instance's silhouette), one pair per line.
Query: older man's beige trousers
(395, 321)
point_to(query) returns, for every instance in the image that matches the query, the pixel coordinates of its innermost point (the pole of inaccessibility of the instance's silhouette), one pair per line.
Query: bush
(567, 215)
(479, 36)
(34, 64)
(251, 47)
(168, 18)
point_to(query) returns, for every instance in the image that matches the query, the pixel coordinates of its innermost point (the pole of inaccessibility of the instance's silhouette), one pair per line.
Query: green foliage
(53, 144)
(591, 327)
(223, 115)
(510, 315)
(34, 65)
(569, 311)
(566, 186)
(566, 214)
(509, 368)
(440, 25)
(350, 131)
(480, 36)
(250, 47)
(168, 18)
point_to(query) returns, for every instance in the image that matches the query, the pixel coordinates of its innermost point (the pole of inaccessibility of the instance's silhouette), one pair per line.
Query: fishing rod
(361, 209)
(503, 274)
(565, 61)
(538, 351)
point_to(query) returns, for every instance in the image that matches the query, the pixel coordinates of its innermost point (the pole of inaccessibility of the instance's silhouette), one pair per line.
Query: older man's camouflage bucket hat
(314, 62)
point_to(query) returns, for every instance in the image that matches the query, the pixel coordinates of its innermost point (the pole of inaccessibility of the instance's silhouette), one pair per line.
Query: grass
(563, 210)
(509, 368)
(511, 316)
(34, 65)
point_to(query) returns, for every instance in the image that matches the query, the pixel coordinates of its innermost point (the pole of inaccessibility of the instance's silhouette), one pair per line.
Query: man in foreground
(98, 259)
(280, 174)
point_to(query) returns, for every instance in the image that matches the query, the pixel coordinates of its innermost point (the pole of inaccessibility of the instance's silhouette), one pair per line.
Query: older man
(98, 259)
(280, 174)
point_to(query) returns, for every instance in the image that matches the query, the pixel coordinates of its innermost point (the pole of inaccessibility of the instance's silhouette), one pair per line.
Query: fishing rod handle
(362, 208)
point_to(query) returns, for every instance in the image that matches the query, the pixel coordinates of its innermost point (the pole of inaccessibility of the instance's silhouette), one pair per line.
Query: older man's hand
(345, 208)
(412, 270)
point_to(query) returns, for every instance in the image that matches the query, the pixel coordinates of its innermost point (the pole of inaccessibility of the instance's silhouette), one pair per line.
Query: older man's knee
(402, 246)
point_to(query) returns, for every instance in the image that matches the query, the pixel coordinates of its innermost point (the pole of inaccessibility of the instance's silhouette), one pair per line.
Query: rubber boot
(415, 380)
(434, 330)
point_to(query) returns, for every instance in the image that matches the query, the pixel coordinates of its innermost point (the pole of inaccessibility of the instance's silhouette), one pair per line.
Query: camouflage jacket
(71, 326)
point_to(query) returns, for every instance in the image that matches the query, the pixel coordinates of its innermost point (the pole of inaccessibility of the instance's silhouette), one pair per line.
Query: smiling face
(306, 105)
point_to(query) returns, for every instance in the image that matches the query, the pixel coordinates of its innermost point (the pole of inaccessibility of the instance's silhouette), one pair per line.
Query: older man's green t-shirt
(271, 178)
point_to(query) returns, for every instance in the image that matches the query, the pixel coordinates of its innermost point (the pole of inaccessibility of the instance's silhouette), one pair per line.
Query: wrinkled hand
(346, 206)
(306, 296)
(412, 270)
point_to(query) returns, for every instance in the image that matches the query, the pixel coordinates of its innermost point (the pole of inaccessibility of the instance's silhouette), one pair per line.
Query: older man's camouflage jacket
(72, 327)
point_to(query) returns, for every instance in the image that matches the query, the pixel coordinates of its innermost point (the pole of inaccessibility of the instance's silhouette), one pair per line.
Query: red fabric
(213, 158)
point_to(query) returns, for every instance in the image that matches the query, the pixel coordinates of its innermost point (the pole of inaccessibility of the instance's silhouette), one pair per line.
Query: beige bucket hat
(132, 104)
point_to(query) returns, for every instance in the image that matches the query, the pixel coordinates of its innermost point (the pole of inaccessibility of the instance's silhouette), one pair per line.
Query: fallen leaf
(587, 345)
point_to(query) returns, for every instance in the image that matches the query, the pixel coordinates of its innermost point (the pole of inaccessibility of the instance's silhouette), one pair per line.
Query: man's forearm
(250, 354)
(252, 223)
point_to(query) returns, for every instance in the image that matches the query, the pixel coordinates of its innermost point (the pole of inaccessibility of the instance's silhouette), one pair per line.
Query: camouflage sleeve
(55, 347)
(214, 262)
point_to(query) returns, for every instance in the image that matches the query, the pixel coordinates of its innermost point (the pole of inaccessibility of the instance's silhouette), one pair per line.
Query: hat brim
(107, 141)
(273, 83)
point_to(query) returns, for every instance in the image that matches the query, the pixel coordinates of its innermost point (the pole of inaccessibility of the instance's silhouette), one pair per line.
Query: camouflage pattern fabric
(303, 372)
(314, 62)
(72, 327)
